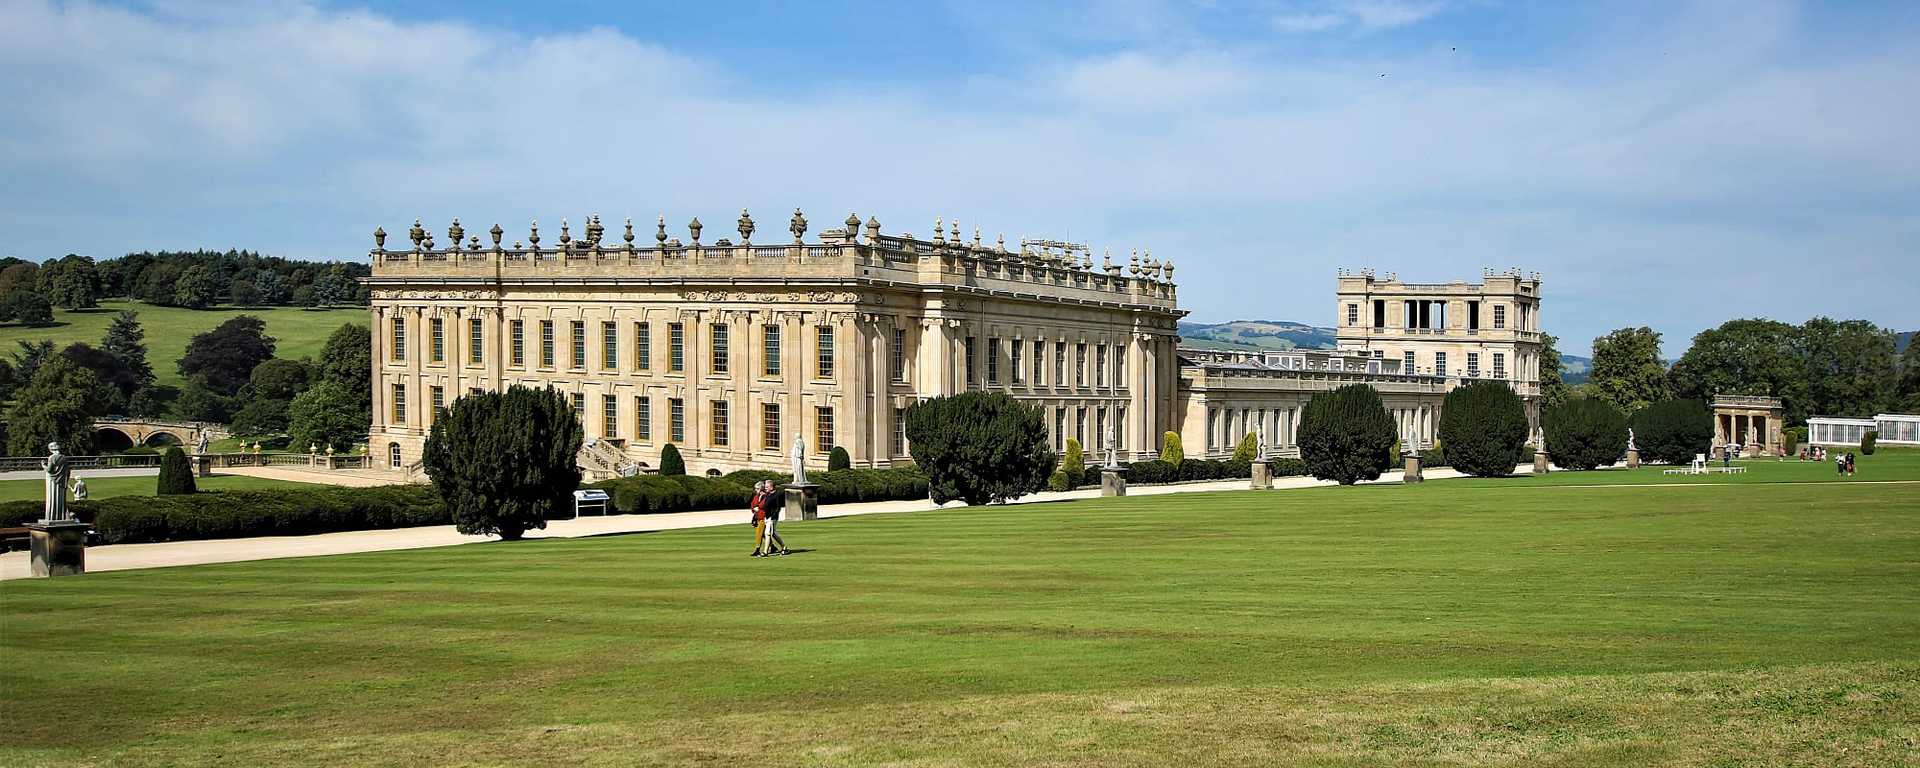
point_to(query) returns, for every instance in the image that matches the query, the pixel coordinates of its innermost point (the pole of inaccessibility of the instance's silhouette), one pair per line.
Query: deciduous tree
(325, 415)
(1627, 370)
(223, 359)
(58, 405)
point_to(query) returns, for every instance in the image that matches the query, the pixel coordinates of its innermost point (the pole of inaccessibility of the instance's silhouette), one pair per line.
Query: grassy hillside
(143, 485)
(300, 332)
(1491, 622)
(1256, 334)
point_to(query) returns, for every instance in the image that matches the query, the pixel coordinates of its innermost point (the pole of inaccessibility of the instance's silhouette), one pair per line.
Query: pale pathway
(118, 557)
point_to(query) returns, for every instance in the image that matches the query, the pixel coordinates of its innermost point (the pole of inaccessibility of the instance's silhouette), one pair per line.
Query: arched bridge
(122, 432)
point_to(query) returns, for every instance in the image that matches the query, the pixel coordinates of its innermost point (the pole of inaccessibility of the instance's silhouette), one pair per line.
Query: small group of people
(766, 515)
(1843, 463)
(1813, 453)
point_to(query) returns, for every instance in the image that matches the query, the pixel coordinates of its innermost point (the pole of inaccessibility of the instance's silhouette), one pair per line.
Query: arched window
(393, 455)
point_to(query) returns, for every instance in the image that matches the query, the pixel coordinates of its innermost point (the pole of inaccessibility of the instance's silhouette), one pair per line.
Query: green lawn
(300, 332)
(1884, 464)
(1507, 622)
(106, 487)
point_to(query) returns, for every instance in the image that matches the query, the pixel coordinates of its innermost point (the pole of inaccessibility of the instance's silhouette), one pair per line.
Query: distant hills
(1282, 334)
(1901, 340)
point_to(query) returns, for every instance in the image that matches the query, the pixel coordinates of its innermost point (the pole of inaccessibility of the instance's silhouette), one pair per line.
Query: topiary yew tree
(1584, 433)
(1171, 451)
(1483, 426)
(176, 475)
(1249, 448)
(979, 447)
(1672, 430)
(504, 462)
(838, 459)
(1869, 441)
(1347, 435)
(1074, 464)
(670, 461)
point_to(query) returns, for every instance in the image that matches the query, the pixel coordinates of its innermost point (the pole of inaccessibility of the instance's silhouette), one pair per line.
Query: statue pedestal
(1111, 483)
(1633, 458)
(203, 466)
(803, 502)
(58, 549)
(1412, 474)
(1540, 463)
(1262, 476)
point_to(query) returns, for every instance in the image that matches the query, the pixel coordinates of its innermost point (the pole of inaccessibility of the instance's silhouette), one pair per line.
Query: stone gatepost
(1262, 476)
(1111, 483)
(1412, 474)
(803, 502)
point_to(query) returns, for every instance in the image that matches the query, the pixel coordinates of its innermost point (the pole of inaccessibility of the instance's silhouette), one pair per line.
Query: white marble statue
(79, 489)
(57, 475)
(799, 454)
(1630, 445)
(200, 446)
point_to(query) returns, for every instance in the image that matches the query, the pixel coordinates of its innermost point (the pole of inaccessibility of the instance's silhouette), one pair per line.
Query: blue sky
(1672, 164)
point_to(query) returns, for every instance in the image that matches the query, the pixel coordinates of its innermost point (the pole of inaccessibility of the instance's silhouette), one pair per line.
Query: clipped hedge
(1869, 441)
(1159, 471)
(238, 514)
(652, 494)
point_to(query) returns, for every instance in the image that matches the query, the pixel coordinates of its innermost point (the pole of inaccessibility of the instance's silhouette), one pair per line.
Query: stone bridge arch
(121, 432)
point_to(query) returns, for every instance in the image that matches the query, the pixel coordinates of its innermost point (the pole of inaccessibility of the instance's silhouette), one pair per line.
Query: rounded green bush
(1672, 431)
(176, 474)
(1483, 425)
(1869, 441)
(670, 461)
(1347, 435)
(838, 459)
(1584, 433)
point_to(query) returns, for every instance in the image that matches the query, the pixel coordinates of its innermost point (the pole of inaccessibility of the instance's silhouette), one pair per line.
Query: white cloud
(1388, 14)
(1308, 22)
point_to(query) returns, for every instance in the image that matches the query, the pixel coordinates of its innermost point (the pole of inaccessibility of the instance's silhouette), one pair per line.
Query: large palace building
(728, 350)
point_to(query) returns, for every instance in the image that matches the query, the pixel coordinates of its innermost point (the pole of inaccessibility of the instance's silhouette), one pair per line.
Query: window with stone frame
(718, 420)
(578, 337)
(822, 429)
(676, 347)
(609, 416)
(399, 403)
(717, 348)
(676, 420)
(546, 344)
(476, 336)
(770, 350)
(609, 346)
(823, 352)
(643, 418)
(518, 330)
(643, 346)
(437, 336)
(399, 338)
(770, 426)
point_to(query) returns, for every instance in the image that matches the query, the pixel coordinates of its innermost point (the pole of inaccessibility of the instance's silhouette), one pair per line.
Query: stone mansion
(729, 349)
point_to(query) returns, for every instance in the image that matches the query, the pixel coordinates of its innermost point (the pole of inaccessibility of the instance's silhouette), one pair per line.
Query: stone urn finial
(497, 233)
(1133, 267)
(1106, 261)
(976, 238)
(660, 229)
(379, 239)
(745, 226)
(939, 230)
(798, 226)
(1000, 242)
(853, 226)
(456, 233)
(873, 228)
(628, 237)
(417, 234)
(693, 228)
(565, 239)
(533, 234)
(1169, 270)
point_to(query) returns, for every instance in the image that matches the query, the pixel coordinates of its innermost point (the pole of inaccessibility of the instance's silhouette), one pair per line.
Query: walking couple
(766, 514)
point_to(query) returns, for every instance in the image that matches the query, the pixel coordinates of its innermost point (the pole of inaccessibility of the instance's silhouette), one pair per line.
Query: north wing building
(729, 349)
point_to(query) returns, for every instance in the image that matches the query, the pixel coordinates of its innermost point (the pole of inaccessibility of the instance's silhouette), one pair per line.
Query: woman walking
(757, 508)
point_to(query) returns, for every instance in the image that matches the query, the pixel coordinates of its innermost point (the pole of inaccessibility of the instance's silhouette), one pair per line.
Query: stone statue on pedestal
(1113, 459)
(799, 454)
(1630, 444)
(79, 489)
(202, 445)
(57, 475)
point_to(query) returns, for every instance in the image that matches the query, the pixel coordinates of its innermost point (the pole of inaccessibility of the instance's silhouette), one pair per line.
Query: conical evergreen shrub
(670, 461)
(838, 459)
(1484, 426)
(176, 473)
(1347, 435)
(1584, 433)
(1171, 451)
(1074, 464)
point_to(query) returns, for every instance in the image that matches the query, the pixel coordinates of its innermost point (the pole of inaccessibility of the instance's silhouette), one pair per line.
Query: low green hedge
(236, 514)
(1157, 471)
(648, 494)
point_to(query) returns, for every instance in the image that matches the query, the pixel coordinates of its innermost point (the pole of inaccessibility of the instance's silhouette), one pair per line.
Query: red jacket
(759, 506)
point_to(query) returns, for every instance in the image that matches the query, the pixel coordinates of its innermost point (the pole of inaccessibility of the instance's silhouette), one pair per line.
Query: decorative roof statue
(594, 230)
(939, 230)
(496, 232)
(1106, 261)
(533, 234)
(745, 225)
(473, 242)
(660, 229)
(693, 227)
(853, 226)
(456, 233)
(379, 239)
(629, 233)
(1134, 267)
(976, 238)
(565, 239)
(798, 226)
(417, 234)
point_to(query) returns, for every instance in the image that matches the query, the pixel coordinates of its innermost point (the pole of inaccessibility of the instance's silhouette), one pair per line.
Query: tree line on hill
(1823, 367)
(191, 279)
(232, 377)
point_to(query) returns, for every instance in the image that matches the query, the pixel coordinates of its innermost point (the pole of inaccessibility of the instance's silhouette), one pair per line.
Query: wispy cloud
(1360, 15)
